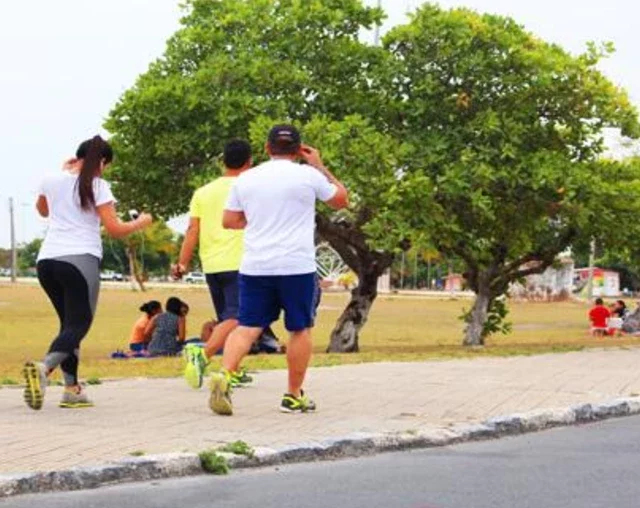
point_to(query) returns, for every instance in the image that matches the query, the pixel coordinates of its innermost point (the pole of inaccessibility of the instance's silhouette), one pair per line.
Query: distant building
(555, 283)
(605, 282)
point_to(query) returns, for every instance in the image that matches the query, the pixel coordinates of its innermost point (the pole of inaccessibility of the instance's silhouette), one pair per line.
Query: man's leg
(219, 337)
(225, 294)
(298, 294)
(298, 358)
(259, 307)
(238, 345)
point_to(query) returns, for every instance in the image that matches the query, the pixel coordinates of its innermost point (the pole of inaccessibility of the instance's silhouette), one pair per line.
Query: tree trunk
(346, 334)
(134, 272)
(474, 332)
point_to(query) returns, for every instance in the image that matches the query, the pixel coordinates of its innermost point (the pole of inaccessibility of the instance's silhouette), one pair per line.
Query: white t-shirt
(72, 230)
(278, 199)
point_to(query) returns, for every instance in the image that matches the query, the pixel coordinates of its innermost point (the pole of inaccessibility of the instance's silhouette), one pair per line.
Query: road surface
(593, 466)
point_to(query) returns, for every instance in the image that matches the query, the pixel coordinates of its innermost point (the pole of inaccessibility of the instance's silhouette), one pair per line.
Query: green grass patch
(8, 381)
(238, 448)
(138, 453)
(214, 463)
(94, 381)
(400, 328)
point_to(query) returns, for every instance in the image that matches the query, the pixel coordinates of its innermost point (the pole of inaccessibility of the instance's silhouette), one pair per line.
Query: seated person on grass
(168, 330)
(139, 339)
(598, 316)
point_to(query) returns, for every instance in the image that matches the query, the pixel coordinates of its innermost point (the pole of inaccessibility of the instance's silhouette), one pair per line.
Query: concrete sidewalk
(158, 416)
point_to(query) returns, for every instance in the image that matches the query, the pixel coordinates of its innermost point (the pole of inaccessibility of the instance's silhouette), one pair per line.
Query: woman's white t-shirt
(72, 230)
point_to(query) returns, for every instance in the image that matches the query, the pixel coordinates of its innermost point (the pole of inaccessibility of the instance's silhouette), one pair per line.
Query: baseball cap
(284, 138)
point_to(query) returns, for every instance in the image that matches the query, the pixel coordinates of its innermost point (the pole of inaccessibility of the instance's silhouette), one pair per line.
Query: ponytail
(92, 152)
(150, 308)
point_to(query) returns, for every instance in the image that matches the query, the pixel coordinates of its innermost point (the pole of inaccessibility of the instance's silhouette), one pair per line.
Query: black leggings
(72, 285)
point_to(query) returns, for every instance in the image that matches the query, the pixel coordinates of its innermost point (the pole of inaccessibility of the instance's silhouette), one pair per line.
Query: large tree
(235, 63)
(506, 129)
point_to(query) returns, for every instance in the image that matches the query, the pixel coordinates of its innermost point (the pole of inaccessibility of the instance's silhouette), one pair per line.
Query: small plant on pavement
(238, 448)
(138, 453)
(94, 381)
(214, 463)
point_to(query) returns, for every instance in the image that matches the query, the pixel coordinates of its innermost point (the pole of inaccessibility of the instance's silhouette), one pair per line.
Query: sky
(66, 63)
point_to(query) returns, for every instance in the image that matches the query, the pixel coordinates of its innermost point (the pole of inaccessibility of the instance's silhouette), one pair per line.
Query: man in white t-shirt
(275, 204)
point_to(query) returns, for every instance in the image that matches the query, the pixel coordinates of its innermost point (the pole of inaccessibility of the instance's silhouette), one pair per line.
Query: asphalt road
(594, 466)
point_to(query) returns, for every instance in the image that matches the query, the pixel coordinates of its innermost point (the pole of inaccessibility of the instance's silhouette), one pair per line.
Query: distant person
(276, 204)
(619, 309)
(220, 254)
(168, 329)
(619, 313)
(598, 316)
(139, 339)
(76, 202)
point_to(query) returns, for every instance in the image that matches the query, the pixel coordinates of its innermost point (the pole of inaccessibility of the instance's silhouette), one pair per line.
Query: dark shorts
(263, 297)
(138, 348)
(224, 290)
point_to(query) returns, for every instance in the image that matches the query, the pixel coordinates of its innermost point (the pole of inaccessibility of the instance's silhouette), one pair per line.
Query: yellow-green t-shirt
(220, 249)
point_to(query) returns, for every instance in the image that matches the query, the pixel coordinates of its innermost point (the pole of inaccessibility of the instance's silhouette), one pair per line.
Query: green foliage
(138, 453)
(238, 448)
(214, 463)
(464, 132)
(496, 322)
(5, 258)
(155, 248)
(506, 131)
(94, 381)
(230, 63)
(8, 381)
(28, 254)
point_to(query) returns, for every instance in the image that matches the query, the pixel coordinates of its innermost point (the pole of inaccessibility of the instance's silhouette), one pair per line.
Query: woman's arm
(42, 206)
(115, 227)
(182, 328)
(148, 331)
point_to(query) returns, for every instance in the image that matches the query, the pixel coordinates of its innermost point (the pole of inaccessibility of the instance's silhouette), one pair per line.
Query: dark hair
(92, 152)
(185, 309)
(174, 306)
(237, 153)
(599, 301)
(151, 307)
(621, 303)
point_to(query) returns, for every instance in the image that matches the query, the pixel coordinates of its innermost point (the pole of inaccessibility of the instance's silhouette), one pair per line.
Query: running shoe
(220, 399)
(196, 364)
(35, 380)
(240, 379)
(293, 404)
(75, 400)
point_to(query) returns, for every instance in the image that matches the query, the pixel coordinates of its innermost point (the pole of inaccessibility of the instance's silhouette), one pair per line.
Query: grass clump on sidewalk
(214, 463)
(238, 448)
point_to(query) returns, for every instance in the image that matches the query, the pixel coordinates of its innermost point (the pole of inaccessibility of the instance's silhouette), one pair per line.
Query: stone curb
(155, 467)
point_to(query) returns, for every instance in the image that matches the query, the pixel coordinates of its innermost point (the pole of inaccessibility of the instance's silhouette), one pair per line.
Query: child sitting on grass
(139, 339)
(168, 330)
(598, 316)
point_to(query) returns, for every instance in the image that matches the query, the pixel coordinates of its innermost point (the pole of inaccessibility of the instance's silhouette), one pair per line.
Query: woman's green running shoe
(35, 380)
(196, 364)
(75, 400)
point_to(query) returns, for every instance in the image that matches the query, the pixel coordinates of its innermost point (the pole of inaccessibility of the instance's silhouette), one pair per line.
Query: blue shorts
(223, 287)
(263, 297)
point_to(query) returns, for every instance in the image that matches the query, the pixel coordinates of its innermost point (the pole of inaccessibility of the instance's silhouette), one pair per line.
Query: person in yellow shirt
(220, 254)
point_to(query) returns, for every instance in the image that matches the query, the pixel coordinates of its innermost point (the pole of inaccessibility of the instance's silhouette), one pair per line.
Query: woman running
(76, 201)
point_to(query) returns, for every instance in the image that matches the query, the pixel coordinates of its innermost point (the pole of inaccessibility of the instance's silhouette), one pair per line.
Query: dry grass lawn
(400, 329)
